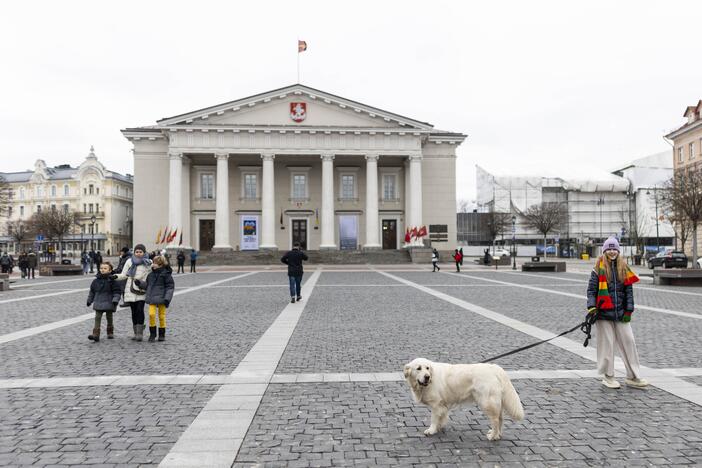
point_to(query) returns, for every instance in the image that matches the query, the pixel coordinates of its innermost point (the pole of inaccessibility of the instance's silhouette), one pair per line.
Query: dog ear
(407, 370)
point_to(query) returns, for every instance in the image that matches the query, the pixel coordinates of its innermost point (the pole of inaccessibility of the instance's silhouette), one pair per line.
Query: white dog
(443, 386)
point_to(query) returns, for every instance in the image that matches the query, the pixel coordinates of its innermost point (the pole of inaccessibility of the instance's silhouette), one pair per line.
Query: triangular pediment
(273, 108)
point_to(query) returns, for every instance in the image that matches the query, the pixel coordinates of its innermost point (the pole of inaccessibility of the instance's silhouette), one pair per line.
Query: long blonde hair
(621, 266)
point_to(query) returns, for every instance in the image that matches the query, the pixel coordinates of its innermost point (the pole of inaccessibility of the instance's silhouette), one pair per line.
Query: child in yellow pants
(159, 292)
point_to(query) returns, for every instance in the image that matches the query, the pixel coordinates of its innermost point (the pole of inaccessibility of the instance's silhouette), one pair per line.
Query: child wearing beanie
(610, 296)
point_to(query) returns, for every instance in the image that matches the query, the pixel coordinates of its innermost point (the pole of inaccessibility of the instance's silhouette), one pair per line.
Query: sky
(571, 85)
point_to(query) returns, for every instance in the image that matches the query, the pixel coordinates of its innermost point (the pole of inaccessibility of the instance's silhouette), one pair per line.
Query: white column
(185, 230)
(408, 200)
(372, 234)
(328, 203)
(268, 204)
(175, 205)
(415, 165)
(222, 226)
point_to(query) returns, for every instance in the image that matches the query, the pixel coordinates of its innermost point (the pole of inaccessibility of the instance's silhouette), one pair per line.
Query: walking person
(32, 263)
(98, 259)
(180, 258)
(435, 260)
(84, 262)
(22, 261)
(293, 259)
(124, 256)
(610, 295)
(136, 268)
(91, 255)
(460, 251)
(159, 287)
(5, 263)
(104, 296)
(458, 258)
(193, 260)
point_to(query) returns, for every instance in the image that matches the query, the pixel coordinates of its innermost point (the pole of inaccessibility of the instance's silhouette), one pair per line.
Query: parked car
(550, 250)
(699, 262)
(500, 253)
(668, 259)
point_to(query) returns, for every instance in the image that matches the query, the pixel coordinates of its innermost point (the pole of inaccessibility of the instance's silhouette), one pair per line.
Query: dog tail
(510, 399)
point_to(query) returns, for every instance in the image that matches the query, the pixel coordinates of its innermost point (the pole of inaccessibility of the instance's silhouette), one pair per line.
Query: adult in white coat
(137, 267)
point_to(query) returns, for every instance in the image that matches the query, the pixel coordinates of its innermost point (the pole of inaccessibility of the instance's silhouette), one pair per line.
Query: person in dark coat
(124, 256)
(98, 259)
(23, 262)
(180, 258)
(193, 260)
(103, 296)
(293, 259)
(31, 263)
(5, 262)
(610, 296)
(159, 293)
(458, 258)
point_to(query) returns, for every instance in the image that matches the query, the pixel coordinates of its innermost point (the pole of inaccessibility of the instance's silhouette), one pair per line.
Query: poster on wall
(249, 233)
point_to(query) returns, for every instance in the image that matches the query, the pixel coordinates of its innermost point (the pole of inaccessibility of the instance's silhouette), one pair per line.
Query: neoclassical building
(293, 164)
(102, 199)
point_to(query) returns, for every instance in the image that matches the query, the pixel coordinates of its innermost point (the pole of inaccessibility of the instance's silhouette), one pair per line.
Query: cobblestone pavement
(356, 320)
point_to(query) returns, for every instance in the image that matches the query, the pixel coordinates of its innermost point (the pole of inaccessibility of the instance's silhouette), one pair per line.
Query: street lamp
(514, 247)
(655, 198)
(92, 241)
(600, 203)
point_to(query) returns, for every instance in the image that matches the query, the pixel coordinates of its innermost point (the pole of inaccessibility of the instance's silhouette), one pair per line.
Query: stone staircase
(329, 257)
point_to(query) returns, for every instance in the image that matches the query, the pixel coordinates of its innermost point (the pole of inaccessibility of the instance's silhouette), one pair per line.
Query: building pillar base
(222, 249)
(328, 247)
(372, 247)
(268, 248)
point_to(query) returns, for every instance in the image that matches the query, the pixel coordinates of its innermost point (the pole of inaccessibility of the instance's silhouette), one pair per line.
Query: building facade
(292, 165)
(93, 192)
(687, 149)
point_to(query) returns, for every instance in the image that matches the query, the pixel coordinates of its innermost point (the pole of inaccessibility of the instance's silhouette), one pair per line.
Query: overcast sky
(557, 83)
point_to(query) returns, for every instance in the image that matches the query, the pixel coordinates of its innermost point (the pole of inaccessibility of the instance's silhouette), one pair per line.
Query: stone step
(315, 257)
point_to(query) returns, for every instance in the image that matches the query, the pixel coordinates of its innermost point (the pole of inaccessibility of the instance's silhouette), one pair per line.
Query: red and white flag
(301, 46)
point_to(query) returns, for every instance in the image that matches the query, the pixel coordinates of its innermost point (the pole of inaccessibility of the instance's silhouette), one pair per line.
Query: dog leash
(585, 327)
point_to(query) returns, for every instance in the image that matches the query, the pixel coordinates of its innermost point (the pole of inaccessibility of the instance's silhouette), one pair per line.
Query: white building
(292, 164)
(91, 190)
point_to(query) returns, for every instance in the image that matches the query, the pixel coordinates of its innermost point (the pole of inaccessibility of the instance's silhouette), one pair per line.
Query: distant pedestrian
(159, 287)
(32, 262)
(458, 258)
(460, 251)
(180, 258)
(85, 262)
(124, 256)
(5, 263)
(23, 262)
(486, 256)
(435, 260)
(104, 296)
(293, 259)
(136, 268)
(98, 259)
(193, 260)
(610, 295)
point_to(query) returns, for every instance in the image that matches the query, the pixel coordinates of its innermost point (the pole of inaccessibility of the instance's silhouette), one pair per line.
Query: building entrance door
(390, 234)
(299, 232)
(348, 232)
(207, 228)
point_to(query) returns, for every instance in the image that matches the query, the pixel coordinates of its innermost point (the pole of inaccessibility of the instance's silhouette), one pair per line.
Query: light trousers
(610, 333)
(161, 315)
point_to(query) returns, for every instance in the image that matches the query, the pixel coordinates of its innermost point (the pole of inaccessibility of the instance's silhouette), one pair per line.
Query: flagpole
(298, 60)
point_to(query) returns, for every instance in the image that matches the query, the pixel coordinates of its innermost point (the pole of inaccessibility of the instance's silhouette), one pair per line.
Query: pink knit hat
(611, 244)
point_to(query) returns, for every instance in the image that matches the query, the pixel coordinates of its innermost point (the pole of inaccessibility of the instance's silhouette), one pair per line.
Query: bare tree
(55, 224)
(682, 194)
(545, 218)
(5, 197)
(497, 224)
(20, 231)
(463, 205)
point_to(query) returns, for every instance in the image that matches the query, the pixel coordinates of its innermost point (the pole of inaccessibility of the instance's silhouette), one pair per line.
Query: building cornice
(684, 129)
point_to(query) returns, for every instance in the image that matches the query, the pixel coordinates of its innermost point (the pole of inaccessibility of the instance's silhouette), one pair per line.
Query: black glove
(115, 304)
(166, 303)
(138, 283)
(87, 304)
(113, 277)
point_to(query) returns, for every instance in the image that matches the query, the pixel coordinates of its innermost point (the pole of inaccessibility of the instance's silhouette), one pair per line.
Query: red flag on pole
(173, 235)
(407, 235)
(166, 233)
(422, 231)
(413, 232)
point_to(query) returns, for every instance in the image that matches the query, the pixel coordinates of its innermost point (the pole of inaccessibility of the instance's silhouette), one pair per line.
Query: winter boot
(110, 333)
(161, 334)
(140, 332)
(152, 334)
(95, 336)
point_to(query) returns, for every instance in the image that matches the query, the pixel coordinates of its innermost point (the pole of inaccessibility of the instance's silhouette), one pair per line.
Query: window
(38, 208)
(65, 207)
(91, 189)
(680, 155)
(348, 184)
(692, 150)
(40, 191)
(97, 207)
(21, 193)
(117, 190)
(85, 208)
(90, 208)
(97, 190)
(21, 211)
(65, 191)
(389, 187)
(53, 191)
(207, 186)
(85, 191)
(10, 194)
(53, 208)
(250, 189)
(9, 212)
(299, 186)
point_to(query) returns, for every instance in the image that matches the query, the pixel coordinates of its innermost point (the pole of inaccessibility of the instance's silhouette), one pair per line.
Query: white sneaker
(637, 383)
(610, 382)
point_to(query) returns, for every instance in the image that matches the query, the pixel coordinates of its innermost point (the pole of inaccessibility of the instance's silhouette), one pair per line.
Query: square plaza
(245, 378)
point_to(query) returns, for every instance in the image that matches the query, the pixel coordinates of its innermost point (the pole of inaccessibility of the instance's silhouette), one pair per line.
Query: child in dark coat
(104, 296)
(159, 293)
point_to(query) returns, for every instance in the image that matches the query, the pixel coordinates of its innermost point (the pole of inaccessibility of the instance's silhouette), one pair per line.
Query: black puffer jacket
(160, 286)
(104, 293)
(294, 260)
(622, 296)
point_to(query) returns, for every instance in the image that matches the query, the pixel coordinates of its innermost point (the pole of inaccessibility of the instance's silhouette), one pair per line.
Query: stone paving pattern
(377, 424)
(106, 426)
